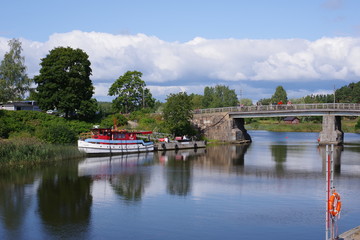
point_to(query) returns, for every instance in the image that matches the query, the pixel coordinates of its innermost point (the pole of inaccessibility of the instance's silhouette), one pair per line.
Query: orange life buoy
(334, 204)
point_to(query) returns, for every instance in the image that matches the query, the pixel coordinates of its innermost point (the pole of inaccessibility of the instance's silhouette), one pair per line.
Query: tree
(14, 82)
(246, 102)
(197, 100)
(220, 96)
(279, 95)
(349, 93)
(178, 114)
(265, 101)
(64, 82)
(319, 98)
(131, 93)
(208, 97)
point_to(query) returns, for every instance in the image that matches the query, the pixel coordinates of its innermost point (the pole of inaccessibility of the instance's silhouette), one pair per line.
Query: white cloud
(173, 66)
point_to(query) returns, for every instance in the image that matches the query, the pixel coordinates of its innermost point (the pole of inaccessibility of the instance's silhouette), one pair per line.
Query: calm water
(273, 188)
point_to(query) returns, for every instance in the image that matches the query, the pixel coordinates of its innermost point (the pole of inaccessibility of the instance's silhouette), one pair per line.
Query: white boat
(113, 141)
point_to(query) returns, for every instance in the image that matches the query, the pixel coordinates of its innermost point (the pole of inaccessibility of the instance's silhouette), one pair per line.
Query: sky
(306, 46)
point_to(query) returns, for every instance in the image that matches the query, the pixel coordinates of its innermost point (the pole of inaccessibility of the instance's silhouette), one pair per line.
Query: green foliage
(297, 100)
(22, 123)
(265, 101)
(130, 92)
(158, 107)
(87, 110)
(197, 101)
(58, 133)
(279, 95)
(105, 108)
(64, 82)
(348, 94)
(109, 121)
(220, 96)
(30, 150)
(319, 98)
(246, 102)
(178, 114)
(357, 126)
(14, 82)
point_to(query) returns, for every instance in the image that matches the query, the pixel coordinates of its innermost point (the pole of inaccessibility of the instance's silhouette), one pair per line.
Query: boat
(179, 143)
(112, 141)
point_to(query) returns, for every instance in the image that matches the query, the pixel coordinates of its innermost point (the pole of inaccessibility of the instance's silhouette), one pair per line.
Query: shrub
(108, 122)
(57, 133)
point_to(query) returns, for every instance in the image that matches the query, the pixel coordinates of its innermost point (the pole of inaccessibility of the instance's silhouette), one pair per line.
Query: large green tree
(131, 94)
(14, 82)
(178, 114)
(64, 83)
(219, 96)
(349, 93)
(279, 95)
(197, 100)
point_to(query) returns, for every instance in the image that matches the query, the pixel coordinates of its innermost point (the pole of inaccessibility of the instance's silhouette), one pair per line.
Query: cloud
(190, 66)
(333, 4)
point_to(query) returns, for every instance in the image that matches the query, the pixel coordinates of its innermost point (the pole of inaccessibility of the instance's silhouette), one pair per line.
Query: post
(327, 194)
(330, 233)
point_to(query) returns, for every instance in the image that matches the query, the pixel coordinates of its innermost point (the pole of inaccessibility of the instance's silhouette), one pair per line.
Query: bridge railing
(282, 107)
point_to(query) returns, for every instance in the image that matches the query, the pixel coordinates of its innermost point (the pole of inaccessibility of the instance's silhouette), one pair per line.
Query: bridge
(227, 124)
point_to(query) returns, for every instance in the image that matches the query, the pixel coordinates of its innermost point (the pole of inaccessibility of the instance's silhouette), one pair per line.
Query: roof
(290, 118)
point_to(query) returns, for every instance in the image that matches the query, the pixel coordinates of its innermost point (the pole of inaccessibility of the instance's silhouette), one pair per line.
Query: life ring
(334, 204)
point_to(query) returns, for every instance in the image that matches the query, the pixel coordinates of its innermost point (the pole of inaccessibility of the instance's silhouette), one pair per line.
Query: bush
(57, 133)
(108, 122)
(357, 126)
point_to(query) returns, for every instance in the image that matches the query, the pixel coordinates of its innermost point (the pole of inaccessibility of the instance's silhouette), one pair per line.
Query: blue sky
(307, 46)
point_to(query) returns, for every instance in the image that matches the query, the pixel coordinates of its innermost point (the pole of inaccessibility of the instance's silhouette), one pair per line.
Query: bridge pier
(241, 134)
(331, 130)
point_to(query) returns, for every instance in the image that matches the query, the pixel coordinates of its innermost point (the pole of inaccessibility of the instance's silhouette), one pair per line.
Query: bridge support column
(240, 133)
(331, 131)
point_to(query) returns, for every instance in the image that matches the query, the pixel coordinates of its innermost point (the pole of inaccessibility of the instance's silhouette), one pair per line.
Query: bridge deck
(284, 110)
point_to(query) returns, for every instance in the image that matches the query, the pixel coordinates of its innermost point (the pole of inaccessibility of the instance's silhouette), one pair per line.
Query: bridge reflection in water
(227, 124)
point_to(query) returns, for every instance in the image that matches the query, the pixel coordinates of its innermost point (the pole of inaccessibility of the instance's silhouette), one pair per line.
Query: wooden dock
(353, 234)
(177, 145)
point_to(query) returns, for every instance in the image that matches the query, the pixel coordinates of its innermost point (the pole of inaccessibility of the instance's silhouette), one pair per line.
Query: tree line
(64, 84)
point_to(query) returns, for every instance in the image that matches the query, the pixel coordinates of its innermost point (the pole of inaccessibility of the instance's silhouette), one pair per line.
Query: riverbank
(348, 125)
(32, 151)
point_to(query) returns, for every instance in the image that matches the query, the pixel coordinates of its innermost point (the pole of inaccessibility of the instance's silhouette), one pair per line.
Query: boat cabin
(112, 134)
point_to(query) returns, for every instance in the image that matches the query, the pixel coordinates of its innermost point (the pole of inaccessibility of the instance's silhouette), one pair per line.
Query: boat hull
(115, 147)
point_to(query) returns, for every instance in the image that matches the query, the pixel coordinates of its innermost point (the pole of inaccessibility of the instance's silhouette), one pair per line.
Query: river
(273, 188)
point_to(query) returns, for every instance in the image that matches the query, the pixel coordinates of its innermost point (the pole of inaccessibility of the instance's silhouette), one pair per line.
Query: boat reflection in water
(99, 167)
(184, 154)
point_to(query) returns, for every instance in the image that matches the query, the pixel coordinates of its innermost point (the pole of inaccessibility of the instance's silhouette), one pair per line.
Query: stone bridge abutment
(222, 127)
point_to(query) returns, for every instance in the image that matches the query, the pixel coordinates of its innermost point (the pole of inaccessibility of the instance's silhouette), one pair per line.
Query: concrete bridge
(228, 124)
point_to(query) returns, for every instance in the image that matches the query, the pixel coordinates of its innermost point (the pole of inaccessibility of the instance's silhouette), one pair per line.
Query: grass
(347, 125)
(31, 151)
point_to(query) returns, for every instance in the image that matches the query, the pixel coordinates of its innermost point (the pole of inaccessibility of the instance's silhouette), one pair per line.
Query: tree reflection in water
(64, 199)
(178, 174)
(14, 202)
(130, 186)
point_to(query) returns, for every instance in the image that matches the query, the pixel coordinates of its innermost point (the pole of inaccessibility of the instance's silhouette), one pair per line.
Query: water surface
(273, 188)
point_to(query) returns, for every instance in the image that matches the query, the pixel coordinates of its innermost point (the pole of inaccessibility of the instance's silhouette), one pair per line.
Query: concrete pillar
(239, 131)
(331, 131)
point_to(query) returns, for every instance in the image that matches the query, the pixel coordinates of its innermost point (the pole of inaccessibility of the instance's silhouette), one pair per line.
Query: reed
(33, 151)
